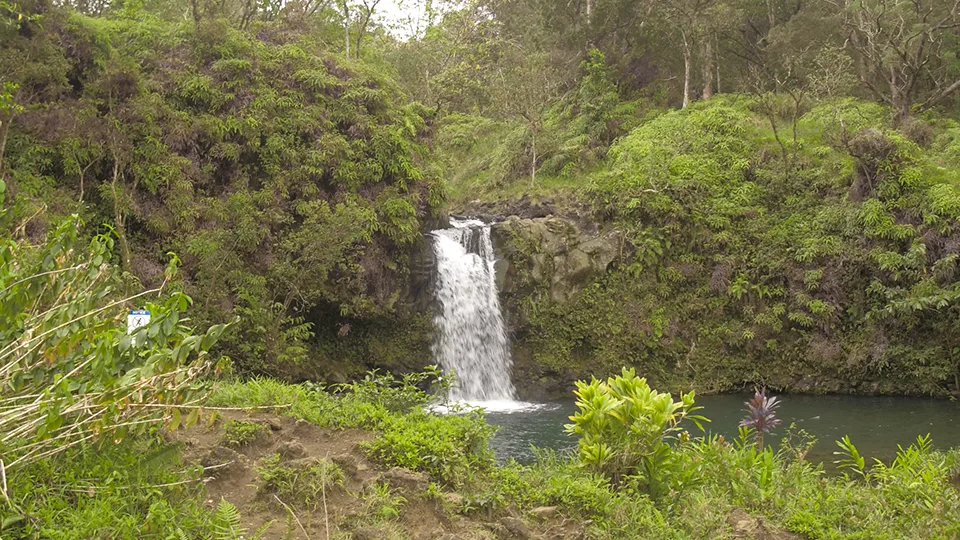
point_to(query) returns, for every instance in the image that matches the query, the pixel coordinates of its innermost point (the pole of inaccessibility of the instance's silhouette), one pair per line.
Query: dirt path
(357, 509)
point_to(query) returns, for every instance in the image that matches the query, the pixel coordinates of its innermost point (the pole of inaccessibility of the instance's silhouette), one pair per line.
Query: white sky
(396, 14)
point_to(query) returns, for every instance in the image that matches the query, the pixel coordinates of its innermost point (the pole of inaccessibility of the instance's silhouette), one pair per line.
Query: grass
(383, 502)
(301, 484)
(142, 489)
(240, 433)
(137, 489)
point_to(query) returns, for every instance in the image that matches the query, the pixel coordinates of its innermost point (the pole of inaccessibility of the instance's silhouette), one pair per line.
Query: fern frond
(226, 522)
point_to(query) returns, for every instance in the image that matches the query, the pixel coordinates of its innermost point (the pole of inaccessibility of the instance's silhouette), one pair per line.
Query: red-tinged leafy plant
(761, 415)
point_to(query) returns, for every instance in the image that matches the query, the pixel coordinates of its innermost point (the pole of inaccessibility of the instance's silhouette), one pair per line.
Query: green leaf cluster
(625, 428)
(292, 182)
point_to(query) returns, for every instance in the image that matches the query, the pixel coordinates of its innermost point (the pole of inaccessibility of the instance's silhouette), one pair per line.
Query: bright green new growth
(626, 428)
(450, 448)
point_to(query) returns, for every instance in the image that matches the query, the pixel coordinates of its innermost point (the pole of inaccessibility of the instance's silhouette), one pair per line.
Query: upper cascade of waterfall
(472, 337)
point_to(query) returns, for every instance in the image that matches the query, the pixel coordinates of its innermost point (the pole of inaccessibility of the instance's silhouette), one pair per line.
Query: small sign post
(136, 319)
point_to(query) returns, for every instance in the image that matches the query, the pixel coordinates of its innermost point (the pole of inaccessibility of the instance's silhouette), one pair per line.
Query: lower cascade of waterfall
(472, 337)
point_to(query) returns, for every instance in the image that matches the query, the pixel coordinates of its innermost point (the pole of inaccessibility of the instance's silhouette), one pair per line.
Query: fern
(226, 522)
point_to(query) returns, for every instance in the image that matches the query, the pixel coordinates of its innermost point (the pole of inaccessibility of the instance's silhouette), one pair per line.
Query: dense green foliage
(823, 262)
(290, 181)
(71, 370)
(797, 231)
(626, 428)
(451, 449)
(791, 233)
(117, 491)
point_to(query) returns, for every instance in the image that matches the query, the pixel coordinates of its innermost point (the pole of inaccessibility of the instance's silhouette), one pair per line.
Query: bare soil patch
(349, 512)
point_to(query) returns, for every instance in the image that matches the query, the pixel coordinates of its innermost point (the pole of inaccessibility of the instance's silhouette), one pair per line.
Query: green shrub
(625, 428)
(450, 448)
(63, 336)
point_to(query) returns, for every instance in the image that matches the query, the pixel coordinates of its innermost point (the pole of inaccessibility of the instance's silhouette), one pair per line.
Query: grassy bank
(151, 487)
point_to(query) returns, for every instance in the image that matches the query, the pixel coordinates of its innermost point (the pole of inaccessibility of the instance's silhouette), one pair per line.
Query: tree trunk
(4, 130)
(361, 31)
(707, 69)
(195, 9)
(249, 10)
(858, 59)
(533, 160)
(687, 61)
(83, 173)
(716, 60)
(346, 29)
(118, 217)
(899, 98)
(589, 18)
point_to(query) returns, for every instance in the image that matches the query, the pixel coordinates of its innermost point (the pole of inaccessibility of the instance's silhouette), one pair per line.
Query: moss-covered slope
(291, 183)
(819, 257)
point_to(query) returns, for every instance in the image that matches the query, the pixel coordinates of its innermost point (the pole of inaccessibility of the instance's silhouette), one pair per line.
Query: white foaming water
(472, 338)
(498, 406)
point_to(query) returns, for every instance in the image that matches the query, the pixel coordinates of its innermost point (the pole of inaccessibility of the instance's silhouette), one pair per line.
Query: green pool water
(875, 424)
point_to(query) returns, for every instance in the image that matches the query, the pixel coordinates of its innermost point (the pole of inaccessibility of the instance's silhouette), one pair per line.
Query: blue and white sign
(136, 319)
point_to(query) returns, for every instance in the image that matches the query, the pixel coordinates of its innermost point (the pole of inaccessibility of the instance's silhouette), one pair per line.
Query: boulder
(407, 481)
(550, 253)
(516, 527)
(544, 512)
(291, 450)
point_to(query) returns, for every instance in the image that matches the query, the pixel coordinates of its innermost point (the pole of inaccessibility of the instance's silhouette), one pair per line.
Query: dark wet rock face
(550, 254)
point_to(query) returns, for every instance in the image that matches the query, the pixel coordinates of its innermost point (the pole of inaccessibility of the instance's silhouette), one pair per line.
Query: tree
(528, 85)
(8, 110)
(687, 17)
(903, 45)
(366, 10)
(453, 65)
(345, 7)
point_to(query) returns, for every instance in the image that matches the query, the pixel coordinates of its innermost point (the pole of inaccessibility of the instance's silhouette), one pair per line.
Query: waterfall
(472, 338)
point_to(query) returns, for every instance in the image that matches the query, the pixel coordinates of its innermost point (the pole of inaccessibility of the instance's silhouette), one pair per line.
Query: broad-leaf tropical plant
(625, 428)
